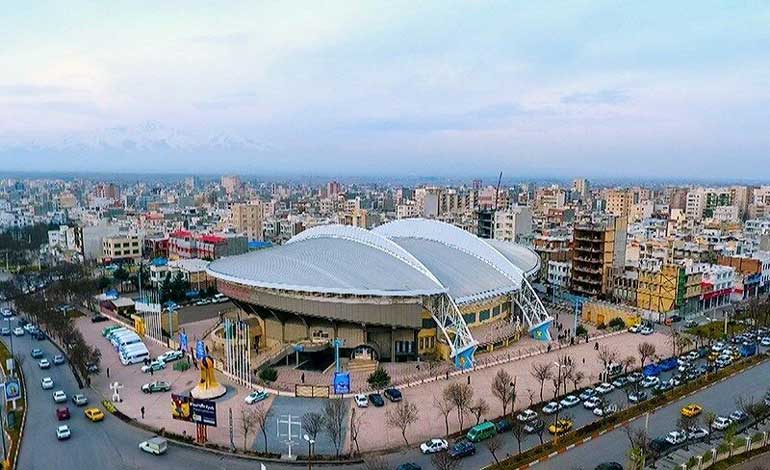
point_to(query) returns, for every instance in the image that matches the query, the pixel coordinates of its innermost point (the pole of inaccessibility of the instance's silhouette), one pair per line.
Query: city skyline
(388, 89)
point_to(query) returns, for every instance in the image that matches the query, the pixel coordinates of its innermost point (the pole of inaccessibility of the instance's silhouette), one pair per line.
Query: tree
(334, 421)
(708, 420)
(402, 416)
(312, 423)
(248, 424)
(268, 374)
(262, 415)
(493, 444)
(376, 462)
(639, 447)
(686, 423)
(378, 379)
(517, 429)
(576, 378)
(504, 389)
(461, 396)
(356, 421)
(444, 407)
(646, 351)
(541, 372)
(607, 356)
(479, 409)
(628, 362)
(756, 410)
(677, 341)
(442, 461)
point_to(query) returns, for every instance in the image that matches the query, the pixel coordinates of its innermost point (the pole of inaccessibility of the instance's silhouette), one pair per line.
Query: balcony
(584, 269)
(581, 259)
(587, 280)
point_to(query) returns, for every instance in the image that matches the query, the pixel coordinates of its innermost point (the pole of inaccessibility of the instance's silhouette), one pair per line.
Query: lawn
(20, 410)
(715, 330)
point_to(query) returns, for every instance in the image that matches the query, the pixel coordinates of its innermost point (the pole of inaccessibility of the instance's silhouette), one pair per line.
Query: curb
(23, 419)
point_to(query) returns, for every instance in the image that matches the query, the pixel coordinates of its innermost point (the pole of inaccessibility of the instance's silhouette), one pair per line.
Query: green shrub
(723, 448)
(181, 366)
(692, 462)
(756, 437)
(617, 323)
(707, 457)
(378, 379)
(601, 326)
(581, 331)
(268, 374)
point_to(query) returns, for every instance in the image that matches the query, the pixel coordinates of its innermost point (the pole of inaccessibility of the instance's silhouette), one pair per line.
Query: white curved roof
(408, 257)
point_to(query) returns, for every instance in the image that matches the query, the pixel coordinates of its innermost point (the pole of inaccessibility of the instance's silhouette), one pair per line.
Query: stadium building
(407, 288)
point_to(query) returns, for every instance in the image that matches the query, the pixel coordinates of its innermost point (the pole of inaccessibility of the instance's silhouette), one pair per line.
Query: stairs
(362, 365)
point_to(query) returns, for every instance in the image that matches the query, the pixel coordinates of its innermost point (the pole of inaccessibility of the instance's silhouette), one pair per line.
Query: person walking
(108, 372)
(142, 411)
(302, 378)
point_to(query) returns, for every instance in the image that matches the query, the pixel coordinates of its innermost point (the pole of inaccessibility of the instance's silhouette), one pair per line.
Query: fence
(311, 391)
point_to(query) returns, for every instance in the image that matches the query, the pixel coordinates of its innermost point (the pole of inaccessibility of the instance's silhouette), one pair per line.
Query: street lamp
(310, 444)
(556, 396)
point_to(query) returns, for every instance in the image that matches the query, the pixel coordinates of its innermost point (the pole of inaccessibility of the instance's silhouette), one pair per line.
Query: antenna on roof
(497, 194)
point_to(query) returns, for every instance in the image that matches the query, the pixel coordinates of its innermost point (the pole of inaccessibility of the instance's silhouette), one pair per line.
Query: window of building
(469, 318)
(428, 323)
(496, 311)
(484, 315)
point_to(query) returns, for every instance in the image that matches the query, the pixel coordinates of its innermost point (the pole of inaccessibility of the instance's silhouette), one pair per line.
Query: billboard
(341, 382)
(204, 412)
(12, 389)
(190, 409)
(180, 407)
(200, 349)
(183, 341)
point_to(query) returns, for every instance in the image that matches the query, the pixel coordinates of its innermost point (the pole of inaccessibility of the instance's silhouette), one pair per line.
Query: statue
(115, 387)
(208, 387)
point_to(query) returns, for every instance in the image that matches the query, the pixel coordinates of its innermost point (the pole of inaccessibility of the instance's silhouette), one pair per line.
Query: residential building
(247, 220)
(186, 244)
(121, 248)
(514, 224)
(618, 202)
(599, 245)
(231, 183)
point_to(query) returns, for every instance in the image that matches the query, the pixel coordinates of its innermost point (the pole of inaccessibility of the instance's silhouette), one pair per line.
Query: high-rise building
(247, 219)
(514, 224)
(582, 187)
(618, 202)
(333, 188)
(599, 252)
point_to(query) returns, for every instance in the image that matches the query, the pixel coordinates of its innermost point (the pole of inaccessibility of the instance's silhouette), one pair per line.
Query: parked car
(605, 388)
(721, 423)
(534, 426)
(63, 432)
(462, 449)
(635, 377)
(592, 403)
(361, 400)
(376, 399)
(633, 329)
(409, 466)
(696, 433)
(393, 394)
(5, 331)
(434, 446)
(154, 366)
(606, 410)
(587, 393)
(552, 407)
(609, 466)
(156, 445)
(98, 318)
(645, 330)
(637, 397)
(256, 396)
(569, 401)
(481, 431)
(562, 426)
(620, 382)
(18, 331)
(158, 386)
(39, 335)
(528, 415)
(649, 382)
(94, 414)
(738, 416)
(62, 413)
(676, 437)
(169, 356)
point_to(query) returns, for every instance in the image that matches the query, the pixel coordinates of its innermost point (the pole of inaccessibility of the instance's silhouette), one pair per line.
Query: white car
(645, 330)
(649, 382)
(526, 416)
(169, 356)
(569, 401)
(44, 363)
(721, 423)
(696, 433)
(605, 411)
(79, 399)
(552, 407)
(362, 401)
(587, 393)
(676, 437)
(154, 366)
(434, 446)
(605, 388)
(18, 331)
(59, 396)
(592, 403)
(46, 383)
(63, 432)
(633, 329)
(718, 347)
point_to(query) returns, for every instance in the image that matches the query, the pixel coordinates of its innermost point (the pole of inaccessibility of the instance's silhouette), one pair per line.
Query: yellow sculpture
(208, 387)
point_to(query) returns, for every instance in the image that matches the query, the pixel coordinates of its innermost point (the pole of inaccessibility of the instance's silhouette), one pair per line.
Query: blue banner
(341, 382)
(200, 349)
(183, 342)
(12, 389)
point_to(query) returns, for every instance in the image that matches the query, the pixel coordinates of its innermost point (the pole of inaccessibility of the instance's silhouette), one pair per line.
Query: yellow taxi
(693, 409)
(94, 414)
(561, 426)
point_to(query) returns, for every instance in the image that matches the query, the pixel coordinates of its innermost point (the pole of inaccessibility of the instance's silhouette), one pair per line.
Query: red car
(63, 413)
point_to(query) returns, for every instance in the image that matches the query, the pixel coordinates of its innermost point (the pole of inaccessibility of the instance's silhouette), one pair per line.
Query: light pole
(310, 443)
(558, 404)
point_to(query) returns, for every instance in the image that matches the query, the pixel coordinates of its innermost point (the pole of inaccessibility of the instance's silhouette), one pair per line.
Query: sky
(447, 88)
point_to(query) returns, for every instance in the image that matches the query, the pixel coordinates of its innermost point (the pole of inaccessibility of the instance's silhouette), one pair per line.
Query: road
(719, 398)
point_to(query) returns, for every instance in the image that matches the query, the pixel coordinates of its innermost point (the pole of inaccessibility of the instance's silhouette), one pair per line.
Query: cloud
(607, 96)
(28, 90)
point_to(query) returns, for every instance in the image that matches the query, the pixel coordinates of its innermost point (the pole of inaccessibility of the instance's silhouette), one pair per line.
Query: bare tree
(376, 462)
(504, 389)
(607, 356)
(403, 415)
(531, 396)
(517, 429)
(677, 341)
(541, 372)
(577, 378)
(639, 446)
(708, 420)
(262, 415)
(756, 409)
(356, 421)
(248, 417)
(493, 444)
(479, 409)
(646, 351)
(627, 363)
(312, 423)
(334, 422)
(444, 407)
(461, 396)
(442, 461)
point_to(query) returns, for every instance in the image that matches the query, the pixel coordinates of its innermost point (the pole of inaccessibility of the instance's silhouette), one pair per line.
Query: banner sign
(341, 382)
(184, 408)
(180, 407)
(12, 389)
(200, 349)
(183, 341)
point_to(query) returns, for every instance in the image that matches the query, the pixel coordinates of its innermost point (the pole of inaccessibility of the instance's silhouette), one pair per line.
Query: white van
(132, 348)
(129, 340)
(134, 357)
(116, 332)
(116, 340)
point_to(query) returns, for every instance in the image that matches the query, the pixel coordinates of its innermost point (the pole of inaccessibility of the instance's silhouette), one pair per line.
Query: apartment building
(121, 248)
(599, 247)
(513, 225)
(618, 202)
(247, 219)
(230, 183)
(183, 244)
(553, 245)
